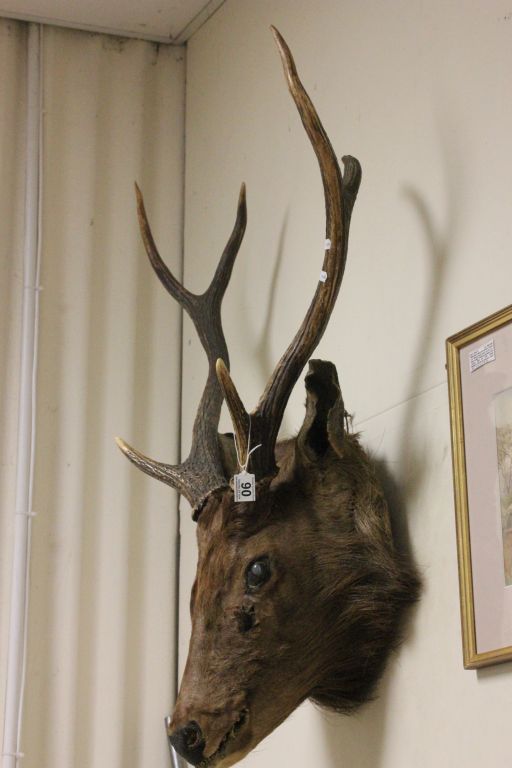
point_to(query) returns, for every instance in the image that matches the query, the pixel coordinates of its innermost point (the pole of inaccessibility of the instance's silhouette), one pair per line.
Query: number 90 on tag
(245, 487)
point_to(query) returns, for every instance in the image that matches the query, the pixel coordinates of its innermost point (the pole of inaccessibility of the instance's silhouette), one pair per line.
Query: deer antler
(340, 194)
(202, 472)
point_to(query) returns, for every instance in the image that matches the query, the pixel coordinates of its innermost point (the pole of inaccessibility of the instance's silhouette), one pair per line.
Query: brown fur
(325, 623)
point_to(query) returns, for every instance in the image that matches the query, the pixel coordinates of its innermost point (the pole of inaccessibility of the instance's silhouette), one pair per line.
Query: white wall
(420, 93)
(101, 648)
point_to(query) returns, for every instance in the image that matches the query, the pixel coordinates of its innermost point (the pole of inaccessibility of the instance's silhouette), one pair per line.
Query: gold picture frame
(479, 364)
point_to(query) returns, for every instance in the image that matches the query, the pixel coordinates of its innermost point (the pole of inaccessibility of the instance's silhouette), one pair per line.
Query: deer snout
(189, 742)
(219, 734)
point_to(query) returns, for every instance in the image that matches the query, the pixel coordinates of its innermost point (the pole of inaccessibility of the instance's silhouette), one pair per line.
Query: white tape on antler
(327, 244)
(323, 276)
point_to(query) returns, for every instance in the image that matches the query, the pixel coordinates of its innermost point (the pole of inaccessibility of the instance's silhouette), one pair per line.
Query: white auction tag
(481, 356)
(245, 487)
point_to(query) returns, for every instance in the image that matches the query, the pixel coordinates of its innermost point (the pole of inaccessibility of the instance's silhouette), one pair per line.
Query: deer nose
(189, 742)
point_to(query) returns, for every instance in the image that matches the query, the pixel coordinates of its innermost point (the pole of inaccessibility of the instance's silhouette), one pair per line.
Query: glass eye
(257, 573)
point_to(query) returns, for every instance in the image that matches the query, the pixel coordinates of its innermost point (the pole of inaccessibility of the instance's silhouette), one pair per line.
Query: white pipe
(26, 420)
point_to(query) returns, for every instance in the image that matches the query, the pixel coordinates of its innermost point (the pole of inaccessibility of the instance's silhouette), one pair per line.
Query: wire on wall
(23, 512)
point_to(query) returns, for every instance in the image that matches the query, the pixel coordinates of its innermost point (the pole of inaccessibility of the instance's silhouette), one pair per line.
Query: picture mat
(503, 424)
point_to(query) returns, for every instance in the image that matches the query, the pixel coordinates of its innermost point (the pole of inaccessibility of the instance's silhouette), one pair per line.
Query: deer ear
(323, 426)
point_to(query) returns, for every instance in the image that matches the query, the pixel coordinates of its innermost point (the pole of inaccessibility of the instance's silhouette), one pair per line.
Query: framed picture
(479, 362)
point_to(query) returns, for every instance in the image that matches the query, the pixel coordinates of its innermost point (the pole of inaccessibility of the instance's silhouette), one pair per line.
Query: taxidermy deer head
(301, 592)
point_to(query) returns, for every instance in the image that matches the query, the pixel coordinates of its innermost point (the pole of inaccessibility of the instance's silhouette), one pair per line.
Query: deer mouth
(227, 739)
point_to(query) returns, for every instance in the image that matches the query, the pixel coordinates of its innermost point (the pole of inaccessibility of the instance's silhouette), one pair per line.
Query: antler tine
(167, 473)
(239, 416)
(340, 195)
(175, 288)
(222, 274)
(202, 472)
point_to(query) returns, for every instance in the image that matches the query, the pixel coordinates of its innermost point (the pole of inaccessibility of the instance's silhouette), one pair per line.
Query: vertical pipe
(26, 432)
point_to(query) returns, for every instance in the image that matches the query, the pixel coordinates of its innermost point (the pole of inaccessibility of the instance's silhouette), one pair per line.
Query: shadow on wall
(405, 484)
(261, 351)
(359, 739)
(262, 354)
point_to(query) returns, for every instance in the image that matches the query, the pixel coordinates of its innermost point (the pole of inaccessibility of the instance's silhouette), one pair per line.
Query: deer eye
(257, 573)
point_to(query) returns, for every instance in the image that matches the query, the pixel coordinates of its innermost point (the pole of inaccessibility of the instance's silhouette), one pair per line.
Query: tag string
(243, 466)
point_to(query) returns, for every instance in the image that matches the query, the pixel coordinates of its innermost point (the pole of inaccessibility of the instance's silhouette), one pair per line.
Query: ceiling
(164, 21)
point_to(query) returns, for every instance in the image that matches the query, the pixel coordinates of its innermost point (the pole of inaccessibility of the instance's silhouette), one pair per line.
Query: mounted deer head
(300, 593)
